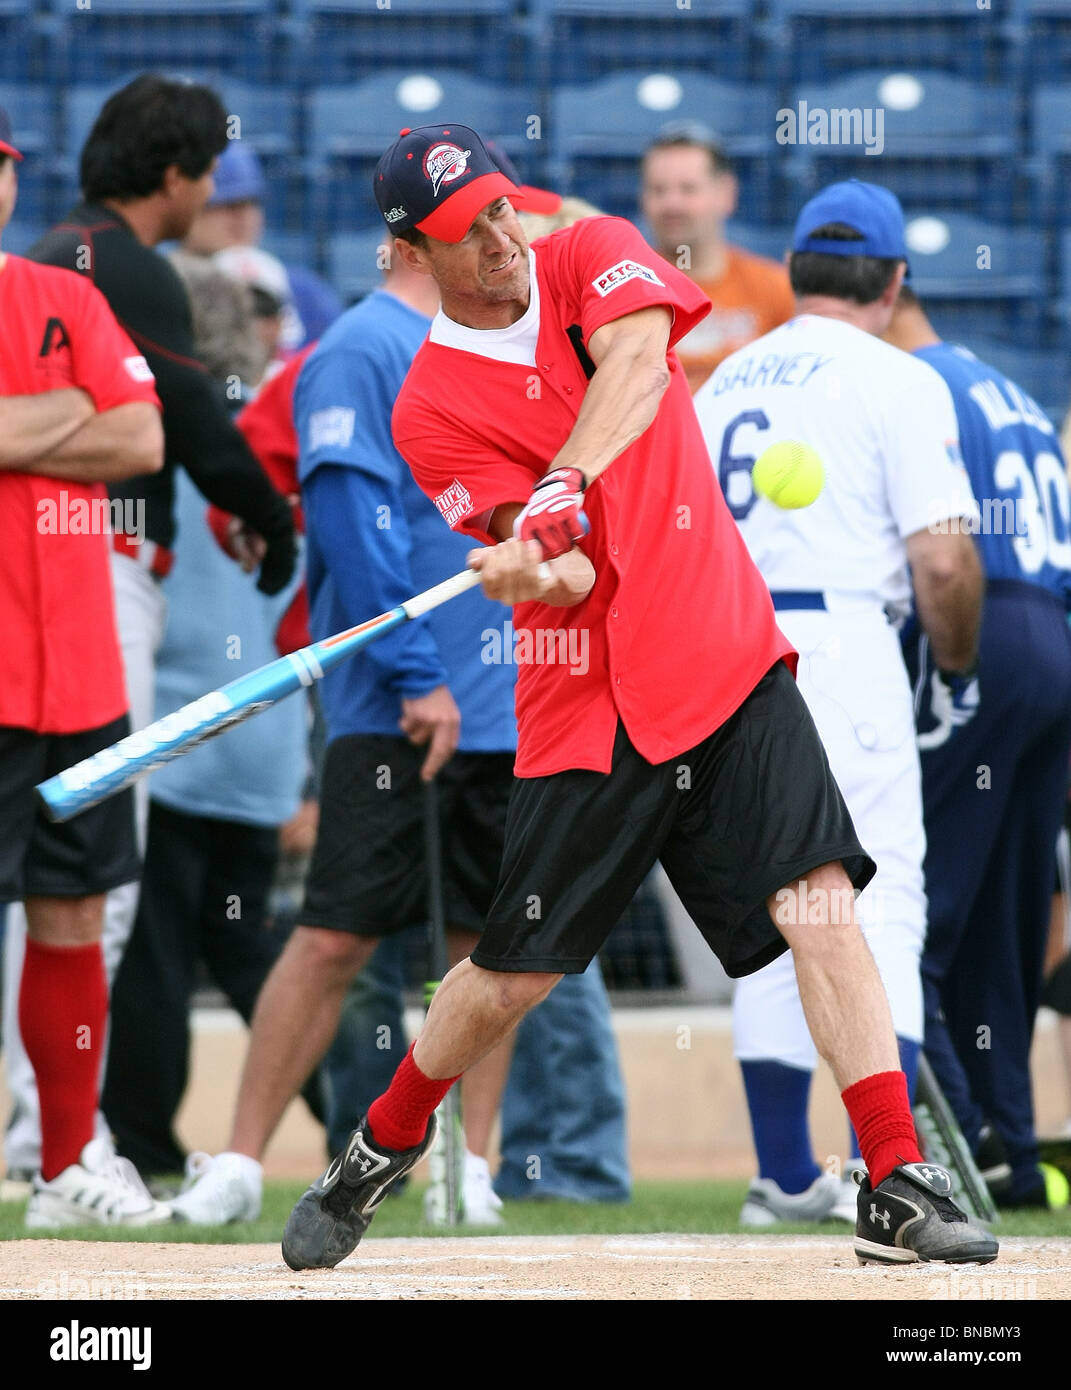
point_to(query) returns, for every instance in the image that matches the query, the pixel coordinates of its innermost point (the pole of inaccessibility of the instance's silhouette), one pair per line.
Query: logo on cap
(395, 214)
(444, 163)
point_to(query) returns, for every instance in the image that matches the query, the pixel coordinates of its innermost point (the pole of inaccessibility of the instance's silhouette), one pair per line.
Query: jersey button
(568, 390)
(617, 680)
(613, 611)
(615, 550)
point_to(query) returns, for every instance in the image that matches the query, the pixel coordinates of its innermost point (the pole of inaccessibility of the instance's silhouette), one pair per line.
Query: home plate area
(545, 1267)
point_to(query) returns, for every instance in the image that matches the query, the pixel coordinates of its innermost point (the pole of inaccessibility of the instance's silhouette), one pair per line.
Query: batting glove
(954, 697)
(553, 516)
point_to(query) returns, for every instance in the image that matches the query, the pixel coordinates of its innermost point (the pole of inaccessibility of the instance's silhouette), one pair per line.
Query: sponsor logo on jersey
(621, 274)
(331, 428)
(454, 502)
(138, 368)
(395, 214)
(444, 163)
(55, 337)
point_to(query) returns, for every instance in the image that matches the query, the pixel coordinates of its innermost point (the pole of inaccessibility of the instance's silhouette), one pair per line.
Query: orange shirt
(752, 297)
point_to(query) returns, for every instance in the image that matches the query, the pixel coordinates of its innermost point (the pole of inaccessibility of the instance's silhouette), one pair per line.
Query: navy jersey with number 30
(1016, 469)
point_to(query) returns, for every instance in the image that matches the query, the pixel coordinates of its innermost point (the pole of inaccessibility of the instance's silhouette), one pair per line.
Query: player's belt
(155, 558)
(785, 600)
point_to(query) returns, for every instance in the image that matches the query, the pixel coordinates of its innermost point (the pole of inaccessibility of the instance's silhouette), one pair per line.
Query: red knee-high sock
(399, 1118)
(63, 1011)
(881, 1115)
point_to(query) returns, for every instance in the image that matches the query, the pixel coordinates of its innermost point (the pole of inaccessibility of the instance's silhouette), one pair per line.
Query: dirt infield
(546, 1267)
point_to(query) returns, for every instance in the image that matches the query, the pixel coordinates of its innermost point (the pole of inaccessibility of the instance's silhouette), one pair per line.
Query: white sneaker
(219, 1190)
(846, 1207)
(767, 1205)
(481, 1204)
(101, 1189)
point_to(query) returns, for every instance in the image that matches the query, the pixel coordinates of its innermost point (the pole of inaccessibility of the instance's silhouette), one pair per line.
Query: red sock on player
(880, 1112)
(399, 1118)
(63, 1011)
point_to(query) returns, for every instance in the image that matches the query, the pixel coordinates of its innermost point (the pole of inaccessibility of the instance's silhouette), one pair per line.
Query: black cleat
(911, 1216)
(328, 1222)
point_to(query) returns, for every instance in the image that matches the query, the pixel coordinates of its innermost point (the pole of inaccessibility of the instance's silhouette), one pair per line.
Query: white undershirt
(517, 343)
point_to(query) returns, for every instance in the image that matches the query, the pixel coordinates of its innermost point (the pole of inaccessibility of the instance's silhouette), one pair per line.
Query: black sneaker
(992, 1159)
(911, 1216)
(328, 1222)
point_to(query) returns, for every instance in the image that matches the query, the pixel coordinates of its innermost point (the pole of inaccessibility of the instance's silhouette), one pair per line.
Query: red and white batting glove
(554, 515)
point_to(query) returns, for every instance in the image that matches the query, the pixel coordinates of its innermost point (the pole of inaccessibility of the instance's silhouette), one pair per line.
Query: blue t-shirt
(220, 627)
(374, 540)
(1017, 471)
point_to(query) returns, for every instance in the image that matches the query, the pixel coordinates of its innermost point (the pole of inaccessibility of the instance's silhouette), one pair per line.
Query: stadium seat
(353, 263)
(1043, 31)
(350, 127)
(937, 140)
(30, 110)
(815, 40)
(1049, 164)
(771, 242)
(346, 40)
(993, 277)
(1044, 375)
(105, 40)
(20, 235)
(600, 130)
(584, 39)
(22, 52)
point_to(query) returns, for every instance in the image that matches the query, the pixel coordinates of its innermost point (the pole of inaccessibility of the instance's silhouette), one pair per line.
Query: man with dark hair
(689, 192)
(547, 417)
(883, 532)
(147, 170)
(991, 836)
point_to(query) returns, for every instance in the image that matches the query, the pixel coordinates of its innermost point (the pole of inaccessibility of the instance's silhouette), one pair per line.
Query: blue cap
(6, 147)
(439, 178)
(239, 177)
(867, 208)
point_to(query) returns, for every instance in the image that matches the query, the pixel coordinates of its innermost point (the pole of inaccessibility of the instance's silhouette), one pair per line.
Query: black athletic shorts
(748, 811)
(89, 854)
(367, 873)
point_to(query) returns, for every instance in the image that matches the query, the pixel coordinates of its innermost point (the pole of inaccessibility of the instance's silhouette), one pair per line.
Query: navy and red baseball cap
(439, 178)
(6, 147)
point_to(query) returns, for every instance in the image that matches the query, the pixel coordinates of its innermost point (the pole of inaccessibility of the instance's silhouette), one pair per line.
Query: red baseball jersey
(63, 671)
(679, 626)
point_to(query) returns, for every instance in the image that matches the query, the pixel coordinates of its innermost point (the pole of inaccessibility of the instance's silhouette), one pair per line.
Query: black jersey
(149, 300)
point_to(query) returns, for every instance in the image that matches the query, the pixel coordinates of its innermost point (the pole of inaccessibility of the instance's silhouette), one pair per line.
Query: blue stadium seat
(20, 235)
(1043, 28)
(353, 263)
(1049, 165)
(584, 39)
(1045, 375)
(815, 40)
(102, 42)
(771, 242)
(939, 140)
(993, 277)
(30, 110)
(346, 40)
(600, 130)
(350, 127)
(22, 52)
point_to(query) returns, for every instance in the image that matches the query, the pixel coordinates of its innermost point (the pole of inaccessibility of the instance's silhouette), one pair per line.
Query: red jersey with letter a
(62, 667)
(679, 626)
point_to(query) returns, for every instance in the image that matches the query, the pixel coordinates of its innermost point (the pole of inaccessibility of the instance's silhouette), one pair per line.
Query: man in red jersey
(78, 409)
(548, 391)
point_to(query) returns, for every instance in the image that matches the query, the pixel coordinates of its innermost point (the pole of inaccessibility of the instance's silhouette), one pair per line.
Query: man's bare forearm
(621, 402)
(949, 604)
(31, 427)
(113, 445)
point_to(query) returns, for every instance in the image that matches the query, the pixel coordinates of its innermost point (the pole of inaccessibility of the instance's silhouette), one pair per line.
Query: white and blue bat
(112, 769)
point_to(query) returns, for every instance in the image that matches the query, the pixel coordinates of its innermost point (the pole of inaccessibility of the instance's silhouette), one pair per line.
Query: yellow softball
(790, 474)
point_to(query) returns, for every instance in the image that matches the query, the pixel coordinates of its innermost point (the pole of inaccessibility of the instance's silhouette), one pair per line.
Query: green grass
(691, 1208)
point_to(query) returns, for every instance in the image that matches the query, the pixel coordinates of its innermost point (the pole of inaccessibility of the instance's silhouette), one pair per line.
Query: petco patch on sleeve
(621, 274)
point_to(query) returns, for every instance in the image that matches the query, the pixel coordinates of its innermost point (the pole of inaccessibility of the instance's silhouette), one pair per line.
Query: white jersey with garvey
(883, 424)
